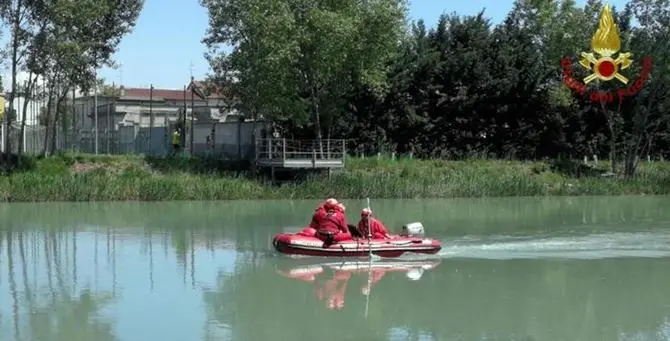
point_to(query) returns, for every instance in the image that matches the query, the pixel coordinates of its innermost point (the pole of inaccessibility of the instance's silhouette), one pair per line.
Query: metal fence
(280, 148)
(229, 141)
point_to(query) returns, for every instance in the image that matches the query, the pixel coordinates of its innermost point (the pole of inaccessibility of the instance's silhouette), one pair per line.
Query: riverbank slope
(81, 177)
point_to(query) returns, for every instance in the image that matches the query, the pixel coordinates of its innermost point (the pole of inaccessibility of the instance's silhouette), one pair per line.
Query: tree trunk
(29, 90)
(613, 156)
(54, 129)
(316, 112)
(611, 125)
(637, 145)
(57, 117)
(48, 112)
(311, 84)
(631, 166)
(16, 18)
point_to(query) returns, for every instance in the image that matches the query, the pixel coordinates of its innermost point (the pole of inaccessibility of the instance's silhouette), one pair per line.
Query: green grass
(80, 177)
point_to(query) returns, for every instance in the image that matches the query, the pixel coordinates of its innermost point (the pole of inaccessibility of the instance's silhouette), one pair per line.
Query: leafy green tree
(468, 88)
(644, 119)
(297, 61)
(105, 89)
(63, 42)
(82, 36)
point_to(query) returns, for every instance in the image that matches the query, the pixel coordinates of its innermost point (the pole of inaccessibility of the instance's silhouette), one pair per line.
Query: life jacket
(363, 227)
(317, 217)
(331, 222)
(375, 226)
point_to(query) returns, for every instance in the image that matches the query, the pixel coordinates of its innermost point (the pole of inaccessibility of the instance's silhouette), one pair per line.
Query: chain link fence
(229, 141)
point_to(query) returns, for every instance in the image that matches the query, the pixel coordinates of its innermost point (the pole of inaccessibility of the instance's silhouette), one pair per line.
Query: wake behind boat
(410, 240)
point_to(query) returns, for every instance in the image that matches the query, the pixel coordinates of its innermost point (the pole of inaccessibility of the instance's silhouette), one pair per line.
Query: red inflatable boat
(408, 241)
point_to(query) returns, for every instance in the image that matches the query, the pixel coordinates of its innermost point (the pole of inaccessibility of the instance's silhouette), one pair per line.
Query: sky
(165, 47)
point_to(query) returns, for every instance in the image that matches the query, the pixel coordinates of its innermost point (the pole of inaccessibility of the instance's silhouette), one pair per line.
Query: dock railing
(282, 150)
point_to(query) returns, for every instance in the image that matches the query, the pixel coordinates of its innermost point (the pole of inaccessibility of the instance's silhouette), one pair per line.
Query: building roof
(203, 90)
(208, 89)
(175, 95)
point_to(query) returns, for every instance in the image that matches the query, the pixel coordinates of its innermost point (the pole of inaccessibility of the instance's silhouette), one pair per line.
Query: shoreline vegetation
(84, 177)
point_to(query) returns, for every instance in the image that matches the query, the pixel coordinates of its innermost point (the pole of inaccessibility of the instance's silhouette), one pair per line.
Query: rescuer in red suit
(377, 229)
(319, 214)
(333, 228)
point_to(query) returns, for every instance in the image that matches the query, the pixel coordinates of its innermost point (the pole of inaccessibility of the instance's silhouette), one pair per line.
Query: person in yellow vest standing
(2, 106)
(176, 141)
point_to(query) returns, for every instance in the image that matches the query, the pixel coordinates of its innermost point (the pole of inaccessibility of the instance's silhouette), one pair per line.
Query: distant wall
(231, 141)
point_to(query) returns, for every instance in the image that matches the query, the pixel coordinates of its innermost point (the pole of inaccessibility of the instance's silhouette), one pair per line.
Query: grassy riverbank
(101, 178)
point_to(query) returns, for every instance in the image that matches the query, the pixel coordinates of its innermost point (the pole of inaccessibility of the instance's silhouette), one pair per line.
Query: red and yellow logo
(605, 63)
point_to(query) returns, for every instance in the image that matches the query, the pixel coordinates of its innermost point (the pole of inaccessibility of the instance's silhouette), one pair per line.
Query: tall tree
(644, 118)
(82, 36)
(297, 61)
(63, 41)
(17, 13)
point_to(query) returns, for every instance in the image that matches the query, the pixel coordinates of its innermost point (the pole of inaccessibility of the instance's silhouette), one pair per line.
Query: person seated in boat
(318, 216)
(321, 212)
(376, 228)
(333, 228)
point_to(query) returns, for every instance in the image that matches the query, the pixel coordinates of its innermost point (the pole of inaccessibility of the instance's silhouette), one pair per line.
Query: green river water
(511, 269)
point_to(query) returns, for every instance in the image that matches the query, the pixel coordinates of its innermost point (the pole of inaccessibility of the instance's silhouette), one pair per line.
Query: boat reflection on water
(331, 279)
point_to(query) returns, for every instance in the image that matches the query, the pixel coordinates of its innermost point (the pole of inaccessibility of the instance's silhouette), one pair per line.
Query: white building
(32, 111)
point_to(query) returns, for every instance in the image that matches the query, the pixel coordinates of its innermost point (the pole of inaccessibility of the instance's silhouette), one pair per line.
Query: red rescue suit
(319, 214)
(377, 229)
(335, 223)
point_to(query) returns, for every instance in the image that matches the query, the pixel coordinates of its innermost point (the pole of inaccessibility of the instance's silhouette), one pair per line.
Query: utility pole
(183, 126)
(151, 115)
(192, 85)
(95, 105)
(75, 132)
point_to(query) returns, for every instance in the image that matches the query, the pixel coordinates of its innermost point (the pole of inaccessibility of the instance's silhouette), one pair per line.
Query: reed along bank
(80, 177)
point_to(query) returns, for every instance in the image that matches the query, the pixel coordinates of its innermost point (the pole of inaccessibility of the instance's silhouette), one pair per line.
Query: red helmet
(366, 212)
(331, 203)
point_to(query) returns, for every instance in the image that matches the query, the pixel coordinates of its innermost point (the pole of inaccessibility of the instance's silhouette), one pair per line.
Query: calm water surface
(511, 269)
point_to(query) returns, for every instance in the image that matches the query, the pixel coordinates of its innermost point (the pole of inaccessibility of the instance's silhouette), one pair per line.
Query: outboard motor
(412, 230)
